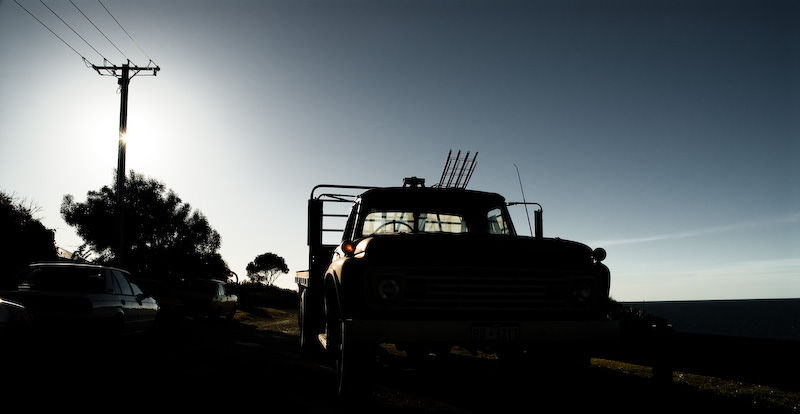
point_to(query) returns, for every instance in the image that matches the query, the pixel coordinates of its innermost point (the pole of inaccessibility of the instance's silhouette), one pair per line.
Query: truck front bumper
(469, 331)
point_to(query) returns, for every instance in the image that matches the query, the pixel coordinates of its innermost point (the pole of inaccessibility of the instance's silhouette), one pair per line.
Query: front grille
(485, 289)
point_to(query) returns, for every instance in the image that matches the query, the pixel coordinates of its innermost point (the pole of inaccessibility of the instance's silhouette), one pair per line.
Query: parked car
(14, 318)
(71, 296)
(211, 298)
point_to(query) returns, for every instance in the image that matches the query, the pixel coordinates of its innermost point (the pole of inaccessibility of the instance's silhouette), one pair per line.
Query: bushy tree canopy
(164, 238)
(265, 268)
(24, 238)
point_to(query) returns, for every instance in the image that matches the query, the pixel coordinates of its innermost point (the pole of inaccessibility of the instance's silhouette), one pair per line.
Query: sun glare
(96, 144)
(139, 144)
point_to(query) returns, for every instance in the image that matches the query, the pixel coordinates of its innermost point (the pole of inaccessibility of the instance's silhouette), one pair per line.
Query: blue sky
(664, 131)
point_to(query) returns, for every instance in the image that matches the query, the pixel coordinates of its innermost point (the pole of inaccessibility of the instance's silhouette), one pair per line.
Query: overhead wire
(73, 30)
(86, 61)
(51, 31)
(126, 32)
(98, 29)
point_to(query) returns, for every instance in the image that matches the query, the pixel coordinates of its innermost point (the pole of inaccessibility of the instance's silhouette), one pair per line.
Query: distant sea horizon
(753, 318)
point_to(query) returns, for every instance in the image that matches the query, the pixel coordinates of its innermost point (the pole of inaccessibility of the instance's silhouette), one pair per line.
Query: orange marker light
(348, 248)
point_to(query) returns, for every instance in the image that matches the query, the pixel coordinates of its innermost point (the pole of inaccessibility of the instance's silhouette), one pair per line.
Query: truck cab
(428, 268)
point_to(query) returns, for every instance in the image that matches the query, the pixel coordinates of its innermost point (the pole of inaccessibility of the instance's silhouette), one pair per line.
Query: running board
(323, 340)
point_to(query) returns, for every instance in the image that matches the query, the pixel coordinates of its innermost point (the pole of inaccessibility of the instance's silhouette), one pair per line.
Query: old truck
(429, 268)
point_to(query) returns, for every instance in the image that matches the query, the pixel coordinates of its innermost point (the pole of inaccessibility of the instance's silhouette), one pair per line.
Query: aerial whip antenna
(524, 201)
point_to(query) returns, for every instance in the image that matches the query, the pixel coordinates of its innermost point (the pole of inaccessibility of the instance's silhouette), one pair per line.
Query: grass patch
(752, 394)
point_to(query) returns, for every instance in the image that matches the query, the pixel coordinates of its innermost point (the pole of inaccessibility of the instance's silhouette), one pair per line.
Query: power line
(86, 61)
(98, 29)
(51, 31)
(73, 30)
(123, 29)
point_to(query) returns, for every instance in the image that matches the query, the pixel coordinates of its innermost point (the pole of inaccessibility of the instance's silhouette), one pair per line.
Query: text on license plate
(495, 333)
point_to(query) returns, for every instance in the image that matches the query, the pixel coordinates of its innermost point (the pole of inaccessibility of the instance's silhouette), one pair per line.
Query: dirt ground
(252, 362)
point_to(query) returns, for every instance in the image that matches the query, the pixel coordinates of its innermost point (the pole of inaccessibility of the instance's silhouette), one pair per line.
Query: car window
(136, 289)
(121, 283)
(64, 279)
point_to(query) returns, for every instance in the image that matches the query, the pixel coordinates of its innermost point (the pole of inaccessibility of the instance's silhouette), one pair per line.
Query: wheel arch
(332, 294)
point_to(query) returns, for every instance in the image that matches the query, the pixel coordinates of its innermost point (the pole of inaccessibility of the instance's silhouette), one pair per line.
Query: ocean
(756, 318)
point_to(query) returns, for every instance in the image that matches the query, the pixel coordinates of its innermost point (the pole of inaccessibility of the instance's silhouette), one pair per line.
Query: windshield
(395, 222)
(390, 222)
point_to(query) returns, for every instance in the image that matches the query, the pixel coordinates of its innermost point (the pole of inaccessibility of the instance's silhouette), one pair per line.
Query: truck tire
(309, 328)
(352, 361)
(353, 372)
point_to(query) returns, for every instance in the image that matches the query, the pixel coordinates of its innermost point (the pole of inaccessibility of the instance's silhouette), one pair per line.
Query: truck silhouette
(429, 268)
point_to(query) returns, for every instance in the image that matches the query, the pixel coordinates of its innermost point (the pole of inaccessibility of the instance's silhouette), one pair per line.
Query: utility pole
(124, 74)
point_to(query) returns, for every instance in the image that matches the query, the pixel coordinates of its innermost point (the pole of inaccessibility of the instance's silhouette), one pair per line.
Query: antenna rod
(444, 171)
(471, 169)
(453, 171)
(458, 169)
(461, 170)
(527, 215)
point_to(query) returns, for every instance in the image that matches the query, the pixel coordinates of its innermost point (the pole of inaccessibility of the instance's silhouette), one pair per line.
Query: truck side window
(497, 225)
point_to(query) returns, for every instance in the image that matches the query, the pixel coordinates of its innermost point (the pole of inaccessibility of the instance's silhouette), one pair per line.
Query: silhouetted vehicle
(67, 296)
(14, 318)
(428, 268)
(211, 298)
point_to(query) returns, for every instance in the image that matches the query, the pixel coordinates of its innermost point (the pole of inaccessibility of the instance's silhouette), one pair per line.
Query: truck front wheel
(353, 361)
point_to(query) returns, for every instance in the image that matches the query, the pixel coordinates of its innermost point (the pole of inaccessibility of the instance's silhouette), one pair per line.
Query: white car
(71, 296)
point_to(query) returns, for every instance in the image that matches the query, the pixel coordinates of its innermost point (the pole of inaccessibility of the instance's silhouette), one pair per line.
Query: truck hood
(429, 249)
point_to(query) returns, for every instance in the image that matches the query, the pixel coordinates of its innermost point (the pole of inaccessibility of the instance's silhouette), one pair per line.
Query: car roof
(73, 264)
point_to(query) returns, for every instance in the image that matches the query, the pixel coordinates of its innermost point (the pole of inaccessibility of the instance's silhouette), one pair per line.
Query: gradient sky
(666, 132)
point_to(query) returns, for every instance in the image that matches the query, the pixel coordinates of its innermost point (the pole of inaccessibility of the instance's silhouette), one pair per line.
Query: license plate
(495, 333)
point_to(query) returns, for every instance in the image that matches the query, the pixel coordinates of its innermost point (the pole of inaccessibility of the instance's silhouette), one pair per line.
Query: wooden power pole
(124, 74)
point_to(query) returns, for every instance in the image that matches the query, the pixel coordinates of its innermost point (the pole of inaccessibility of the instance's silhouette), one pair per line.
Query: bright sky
(666, 132)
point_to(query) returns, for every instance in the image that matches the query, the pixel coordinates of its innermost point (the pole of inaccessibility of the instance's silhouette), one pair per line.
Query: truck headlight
(388, 289)
(582, 292)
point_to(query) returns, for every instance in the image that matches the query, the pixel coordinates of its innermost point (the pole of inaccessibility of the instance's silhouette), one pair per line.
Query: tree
(24, 238)
(165, 239)
(266, 268)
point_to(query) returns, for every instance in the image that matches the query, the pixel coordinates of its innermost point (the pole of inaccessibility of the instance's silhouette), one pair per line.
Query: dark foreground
(252, 363)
